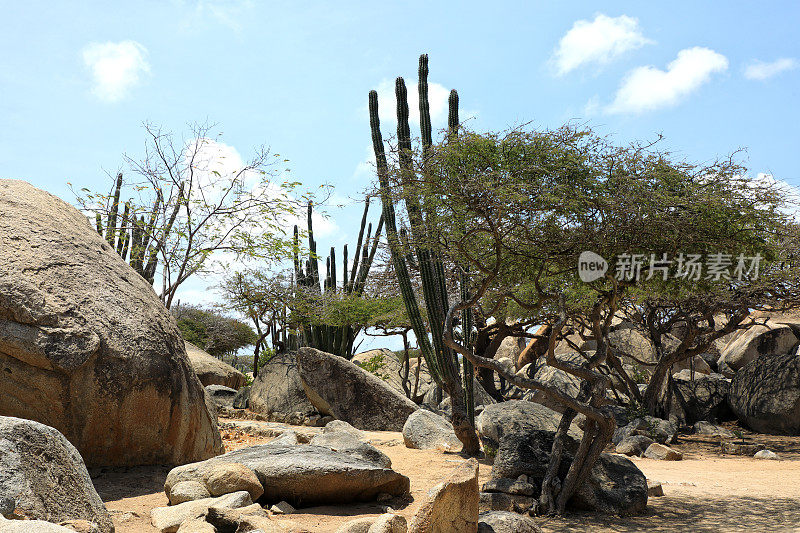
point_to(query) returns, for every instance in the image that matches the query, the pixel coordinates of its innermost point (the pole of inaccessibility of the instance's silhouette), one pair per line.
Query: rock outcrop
(213, 371)
(700, 397)
(425, 430)
(758, 341)
(277, 389)
(342, 389)
(515, 416)
(615, 486)
(86, 346)
(44, 477)
(389, 368)
(765, 394)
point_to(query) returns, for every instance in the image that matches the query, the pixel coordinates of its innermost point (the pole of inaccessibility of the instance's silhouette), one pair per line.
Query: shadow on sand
(116, 483)
(696, 514)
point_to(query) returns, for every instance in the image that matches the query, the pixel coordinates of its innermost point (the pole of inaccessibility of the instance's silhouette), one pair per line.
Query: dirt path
(702, 493)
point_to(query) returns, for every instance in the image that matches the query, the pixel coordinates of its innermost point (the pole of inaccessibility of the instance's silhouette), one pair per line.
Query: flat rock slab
(258, 428)
(303, 474)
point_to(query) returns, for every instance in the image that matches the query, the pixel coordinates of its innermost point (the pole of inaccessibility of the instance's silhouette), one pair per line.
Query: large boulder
(758, 341)
(278, 388)
(632, 345)
(44, 476)
(700, 397)
(425, 430)
(561, 380)
(86, 346)
(301, 474)
(221, 395)
(765, 394)
(515, 416)
(386, 365)
(342, 389)
(614, 486)
(528, 453)
(452, 505)
(213, 371)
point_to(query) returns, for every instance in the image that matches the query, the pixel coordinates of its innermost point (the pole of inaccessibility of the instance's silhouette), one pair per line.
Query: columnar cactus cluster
(336, 339)
(135, 235)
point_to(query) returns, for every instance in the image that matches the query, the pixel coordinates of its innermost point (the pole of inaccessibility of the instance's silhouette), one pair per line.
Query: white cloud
(365, 169)
(648, 88)
(115, 67)
(598, 41)
(760, 70)
(229, 13)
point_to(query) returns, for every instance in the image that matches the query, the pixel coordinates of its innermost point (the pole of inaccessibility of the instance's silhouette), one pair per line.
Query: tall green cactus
(442, 361)
(336, 339)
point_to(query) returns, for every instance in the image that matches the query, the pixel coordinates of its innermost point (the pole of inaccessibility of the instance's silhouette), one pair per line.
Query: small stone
(523, 478)
(654, 489)
(196, 525)
(706, 428)
(168, 519)
(506, 522)
(282, 507)
(383, 497)
(662, 453)
(523, 489)
(766, 454)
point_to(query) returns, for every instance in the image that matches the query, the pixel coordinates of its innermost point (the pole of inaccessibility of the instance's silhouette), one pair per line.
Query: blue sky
(77, 79)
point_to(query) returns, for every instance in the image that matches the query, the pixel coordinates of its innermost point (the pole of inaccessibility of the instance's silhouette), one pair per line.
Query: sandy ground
(705, 492)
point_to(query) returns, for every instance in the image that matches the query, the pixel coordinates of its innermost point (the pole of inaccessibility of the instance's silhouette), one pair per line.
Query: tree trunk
(462, 426)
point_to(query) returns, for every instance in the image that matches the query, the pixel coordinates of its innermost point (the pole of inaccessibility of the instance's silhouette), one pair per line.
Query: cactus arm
(353, 274)
(111, 227)
(345, 286)
(152, 261)
(123, 230)
(401, 270)
(361, 282)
